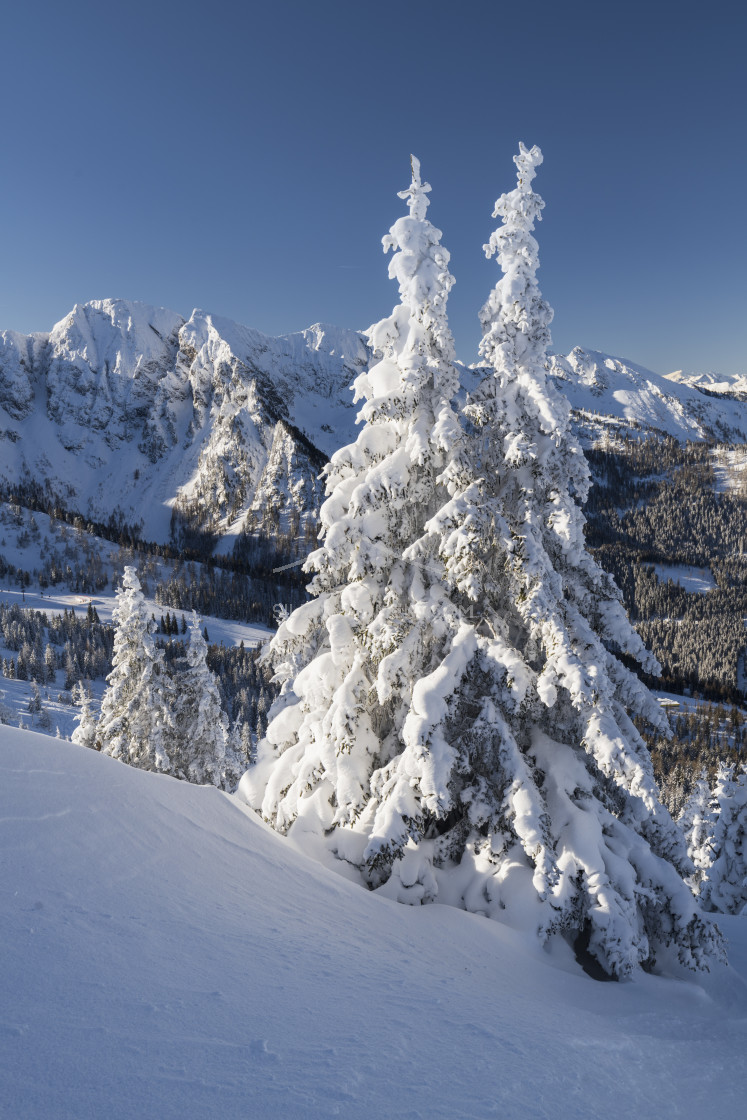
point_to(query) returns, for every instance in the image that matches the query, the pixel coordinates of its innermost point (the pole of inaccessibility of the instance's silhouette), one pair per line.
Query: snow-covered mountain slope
(128, 407)
(607, 390)
(166, 955)
(130, 410)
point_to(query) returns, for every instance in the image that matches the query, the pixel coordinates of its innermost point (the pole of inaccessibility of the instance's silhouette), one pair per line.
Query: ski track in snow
(166, 955)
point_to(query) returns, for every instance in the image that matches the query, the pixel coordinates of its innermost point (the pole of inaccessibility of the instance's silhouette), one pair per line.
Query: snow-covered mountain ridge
(127, 406)
(614, 392)
(130, 408)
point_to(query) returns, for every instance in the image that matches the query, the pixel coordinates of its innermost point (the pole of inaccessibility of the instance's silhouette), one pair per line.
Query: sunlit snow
(167, 955)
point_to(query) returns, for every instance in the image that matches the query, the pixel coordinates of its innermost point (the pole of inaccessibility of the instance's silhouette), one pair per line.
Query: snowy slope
(127, 407)
(597, 383)
(166, 955)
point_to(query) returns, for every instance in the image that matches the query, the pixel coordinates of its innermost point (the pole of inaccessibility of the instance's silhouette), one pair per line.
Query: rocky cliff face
(130, 408)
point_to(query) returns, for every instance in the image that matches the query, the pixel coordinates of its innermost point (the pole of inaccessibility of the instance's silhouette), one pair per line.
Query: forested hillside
(660, 519)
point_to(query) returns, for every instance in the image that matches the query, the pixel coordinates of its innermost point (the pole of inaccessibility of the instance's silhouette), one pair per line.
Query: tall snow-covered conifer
(453, 716)
(349, 660)
(563, 804)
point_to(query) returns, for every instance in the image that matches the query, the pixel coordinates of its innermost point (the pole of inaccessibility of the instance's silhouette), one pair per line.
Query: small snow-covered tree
(135, 720)
(240, 737)
(6, 712)
(200, 749)
(85, 732)
(697, 821)
(35, 703)
(724, 888)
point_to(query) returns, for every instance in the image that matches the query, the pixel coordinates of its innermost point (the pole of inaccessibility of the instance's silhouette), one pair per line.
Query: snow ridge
(624, 393)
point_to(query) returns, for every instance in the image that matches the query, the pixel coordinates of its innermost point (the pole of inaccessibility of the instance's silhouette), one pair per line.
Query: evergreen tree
(724, 888)
(453, 713)
(697, 822)
(85, 732)
(50, 664)
(35, 703)
(574, 791)
(348, 660)
(6, 712)
(201, 750)
(558, 781)
(135, 721)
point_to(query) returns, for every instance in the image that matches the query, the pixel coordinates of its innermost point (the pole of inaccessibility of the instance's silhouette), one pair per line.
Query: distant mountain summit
(613, 393)
(129, 407)
(711, 382)
(132, 410)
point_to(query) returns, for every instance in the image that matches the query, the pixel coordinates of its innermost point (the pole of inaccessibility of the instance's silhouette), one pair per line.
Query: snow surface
(166, 955)
(689, 578)
(730, 468)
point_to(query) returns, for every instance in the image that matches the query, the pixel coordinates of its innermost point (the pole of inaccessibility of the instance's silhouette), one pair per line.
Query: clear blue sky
(245, 158)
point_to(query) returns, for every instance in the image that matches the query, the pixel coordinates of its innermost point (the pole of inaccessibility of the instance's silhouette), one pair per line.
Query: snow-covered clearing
(676, 700)
(690, 579)
(221, 631)
(730, 468)
(166, 955)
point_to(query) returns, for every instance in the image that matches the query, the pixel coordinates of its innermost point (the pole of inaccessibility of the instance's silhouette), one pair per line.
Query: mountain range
(132, 411)
(129, 408)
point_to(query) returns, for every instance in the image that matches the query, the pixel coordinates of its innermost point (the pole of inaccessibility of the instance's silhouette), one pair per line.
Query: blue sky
(246, 158)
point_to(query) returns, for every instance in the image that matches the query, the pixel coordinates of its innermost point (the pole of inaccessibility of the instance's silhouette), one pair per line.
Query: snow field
(689, 578)
(166, 955)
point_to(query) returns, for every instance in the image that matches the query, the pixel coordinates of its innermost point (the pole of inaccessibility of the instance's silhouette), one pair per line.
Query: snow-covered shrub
(697, 821)
(85, 732)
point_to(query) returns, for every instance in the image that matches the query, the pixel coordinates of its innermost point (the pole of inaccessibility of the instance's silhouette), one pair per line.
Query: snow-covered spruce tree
(563, 818)
(86, 730)
(724, 888)
(453, 715)
(380, 619)
(135, 720)
(200, 749)
(697, 821)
